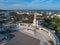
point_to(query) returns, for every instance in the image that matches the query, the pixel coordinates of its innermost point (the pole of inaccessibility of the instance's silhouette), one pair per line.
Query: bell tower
(35, 22)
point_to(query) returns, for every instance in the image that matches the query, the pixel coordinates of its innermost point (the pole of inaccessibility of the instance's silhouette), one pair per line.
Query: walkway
(23, 39)
(42, 36)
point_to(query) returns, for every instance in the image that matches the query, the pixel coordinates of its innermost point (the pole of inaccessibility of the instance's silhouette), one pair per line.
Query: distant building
(56, 16)
(25, 19)
(49, 13)
(20, 12)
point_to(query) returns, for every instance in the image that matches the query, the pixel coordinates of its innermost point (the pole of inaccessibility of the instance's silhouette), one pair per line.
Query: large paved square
(23, 39)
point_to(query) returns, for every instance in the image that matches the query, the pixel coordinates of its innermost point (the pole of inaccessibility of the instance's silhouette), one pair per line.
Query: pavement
(42, 36)
(23, 39)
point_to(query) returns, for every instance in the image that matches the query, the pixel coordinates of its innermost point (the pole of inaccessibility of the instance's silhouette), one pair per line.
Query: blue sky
(30, 4)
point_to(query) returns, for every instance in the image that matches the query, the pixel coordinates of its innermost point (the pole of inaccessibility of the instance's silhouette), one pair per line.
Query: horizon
(29, 9)
(30, 4)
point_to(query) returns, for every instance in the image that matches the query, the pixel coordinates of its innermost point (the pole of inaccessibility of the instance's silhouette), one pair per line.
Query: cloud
(41, 1)
(34, 4)
(13, 6)
(38, 4)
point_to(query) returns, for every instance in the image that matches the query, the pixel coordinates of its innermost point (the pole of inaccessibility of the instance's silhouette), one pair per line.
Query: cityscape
(32, 24)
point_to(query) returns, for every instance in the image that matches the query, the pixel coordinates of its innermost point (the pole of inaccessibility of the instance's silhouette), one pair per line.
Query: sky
(30, 4)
